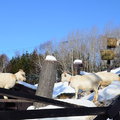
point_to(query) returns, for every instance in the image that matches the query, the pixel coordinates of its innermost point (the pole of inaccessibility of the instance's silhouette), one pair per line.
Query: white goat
(8, 80)
(84, 82)
(107, 78)
(90, 81)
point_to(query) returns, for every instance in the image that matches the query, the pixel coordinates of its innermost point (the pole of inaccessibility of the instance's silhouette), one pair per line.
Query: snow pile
(50, 58)
(77, 61)
(60, 88)
(84, 102)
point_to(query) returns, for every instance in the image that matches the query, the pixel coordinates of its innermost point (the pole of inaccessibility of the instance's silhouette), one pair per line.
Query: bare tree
(46, 47)
(3, 62)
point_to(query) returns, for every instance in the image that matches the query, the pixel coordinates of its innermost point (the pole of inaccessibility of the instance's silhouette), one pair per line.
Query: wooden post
(114, 110)
(46, 80)
(77, 66)
(111, 43)
(108, 62)
(72, 69)
(108, 66)
(109, 54)
(117, 117)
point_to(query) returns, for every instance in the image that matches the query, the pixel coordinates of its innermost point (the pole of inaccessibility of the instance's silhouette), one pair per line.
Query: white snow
(60, 88)
(84, 73)
(117, 71)
(77, 61)
(27, 85)
(50, 58)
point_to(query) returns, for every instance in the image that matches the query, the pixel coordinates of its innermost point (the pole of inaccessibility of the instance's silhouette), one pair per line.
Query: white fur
(90, 81)
(118, 42)
(85, 83)
(107, 78)
(8, 80)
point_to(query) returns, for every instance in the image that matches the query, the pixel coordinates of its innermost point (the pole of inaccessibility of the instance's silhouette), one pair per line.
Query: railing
(102, 113)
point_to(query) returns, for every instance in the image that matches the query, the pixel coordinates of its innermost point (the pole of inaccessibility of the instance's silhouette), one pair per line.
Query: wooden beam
(101, 117)
(13, 101)
(117, 117)
(114, 108)
(49, 113)
(35, 98)
(46, 81)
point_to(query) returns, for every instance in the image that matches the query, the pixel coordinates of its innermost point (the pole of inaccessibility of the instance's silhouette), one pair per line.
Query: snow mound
(60, 88)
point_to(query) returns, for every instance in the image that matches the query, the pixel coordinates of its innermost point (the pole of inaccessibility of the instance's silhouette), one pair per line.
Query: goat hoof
(94, 101)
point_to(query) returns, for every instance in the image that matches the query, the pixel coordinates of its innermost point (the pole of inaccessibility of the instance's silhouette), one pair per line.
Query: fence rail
(102, 113)
(48, 113)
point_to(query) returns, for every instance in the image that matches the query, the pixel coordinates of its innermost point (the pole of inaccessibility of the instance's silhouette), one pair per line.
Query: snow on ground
(60, 88)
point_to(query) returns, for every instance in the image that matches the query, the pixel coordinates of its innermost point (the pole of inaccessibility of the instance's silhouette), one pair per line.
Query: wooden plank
(46, 80)
(117, 117)
(101, 117)
(34, 98)
(49, 113)
(13, 101)
(114, 108)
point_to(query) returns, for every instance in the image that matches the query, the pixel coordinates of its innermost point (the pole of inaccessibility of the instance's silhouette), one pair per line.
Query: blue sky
(25, 24)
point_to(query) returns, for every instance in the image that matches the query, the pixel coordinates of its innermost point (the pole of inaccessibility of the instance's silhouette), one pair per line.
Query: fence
(112, 111)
